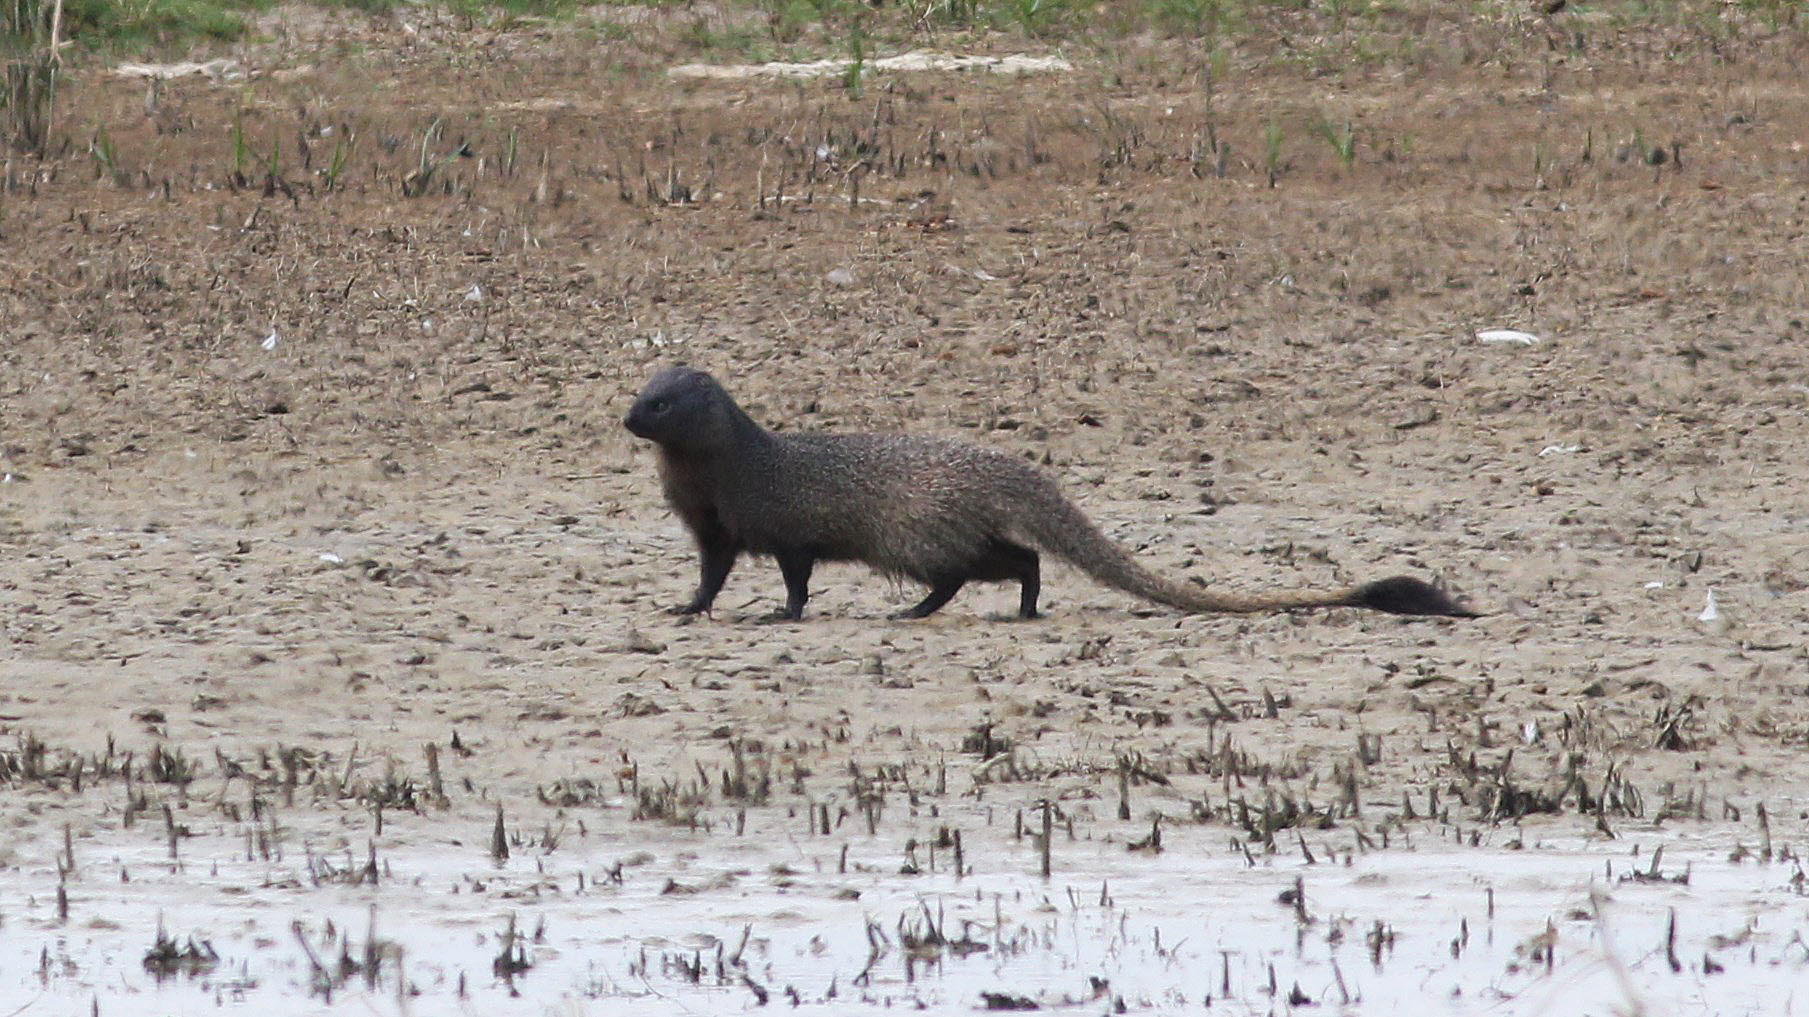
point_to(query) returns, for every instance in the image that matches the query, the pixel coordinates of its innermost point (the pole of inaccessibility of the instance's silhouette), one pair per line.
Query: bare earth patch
(335, 646)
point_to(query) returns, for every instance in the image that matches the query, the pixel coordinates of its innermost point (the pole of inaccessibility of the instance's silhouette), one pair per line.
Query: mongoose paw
(687, 609)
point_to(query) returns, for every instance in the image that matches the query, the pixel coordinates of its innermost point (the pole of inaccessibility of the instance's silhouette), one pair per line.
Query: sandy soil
(299, 479)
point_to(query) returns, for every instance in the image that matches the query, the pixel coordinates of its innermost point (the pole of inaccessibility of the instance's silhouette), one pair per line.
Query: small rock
(631, 705)
(634, 642)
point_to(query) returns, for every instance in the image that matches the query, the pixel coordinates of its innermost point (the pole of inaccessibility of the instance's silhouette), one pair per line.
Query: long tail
(1066, 532)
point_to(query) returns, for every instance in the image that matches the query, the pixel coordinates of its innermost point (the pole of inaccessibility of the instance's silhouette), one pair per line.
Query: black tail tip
(1407, 595)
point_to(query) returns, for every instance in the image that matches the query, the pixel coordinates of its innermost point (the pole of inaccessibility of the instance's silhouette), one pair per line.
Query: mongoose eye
(661, 405)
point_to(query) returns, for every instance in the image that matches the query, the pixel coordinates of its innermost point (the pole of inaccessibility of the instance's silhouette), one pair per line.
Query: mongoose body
(939, 511)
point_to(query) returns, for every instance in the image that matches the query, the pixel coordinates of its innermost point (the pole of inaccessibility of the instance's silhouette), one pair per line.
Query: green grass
(1272, 139)
(1341, 140)
(106, 157)
(604, 30)
(148, 24)
(115, 26)
(558, 9)
(857, 63)
(742, 41)
(366, 6)
(28, 75)
(1367, 33)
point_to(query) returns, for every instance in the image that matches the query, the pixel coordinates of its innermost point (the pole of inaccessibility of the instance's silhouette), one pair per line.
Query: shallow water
(707, 923)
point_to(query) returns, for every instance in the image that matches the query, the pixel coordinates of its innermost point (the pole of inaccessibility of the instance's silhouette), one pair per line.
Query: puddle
(664, 921)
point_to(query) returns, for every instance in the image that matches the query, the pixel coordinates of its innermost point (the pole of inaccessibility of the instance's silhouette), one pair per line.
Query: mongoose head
(682, 409)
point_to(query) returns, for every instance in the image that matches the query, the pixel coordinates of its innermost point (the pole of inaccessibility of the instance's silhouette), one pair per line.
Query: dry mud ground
(328, 568)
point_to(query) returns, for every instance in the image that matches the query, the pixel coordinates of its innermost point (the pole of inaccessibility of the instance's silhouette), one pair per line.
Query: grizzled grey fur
(939, 511)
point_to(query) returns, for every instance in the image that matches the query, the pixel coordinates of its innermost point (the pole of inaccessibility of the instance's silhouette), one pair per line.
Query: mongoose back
(939, 511)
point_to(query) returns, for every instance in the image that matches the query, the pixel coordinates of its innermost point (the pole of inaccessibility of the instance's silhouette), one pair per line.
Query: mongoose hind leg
(1003, 561)
(1000, 561)
(1020, 563)
(795, 565)
(716, 558)
(941, 592)
(1027, 599)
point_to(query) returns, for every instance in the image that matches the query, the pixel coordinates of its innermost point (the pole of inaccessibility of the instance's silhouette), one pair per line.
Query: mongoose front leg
(795, 566)
(716, 558)
(940, 593)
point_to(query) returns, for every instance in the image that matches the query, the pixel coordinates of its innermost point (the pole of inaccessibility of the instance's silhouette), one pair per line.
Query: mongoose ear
(1407, 595)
